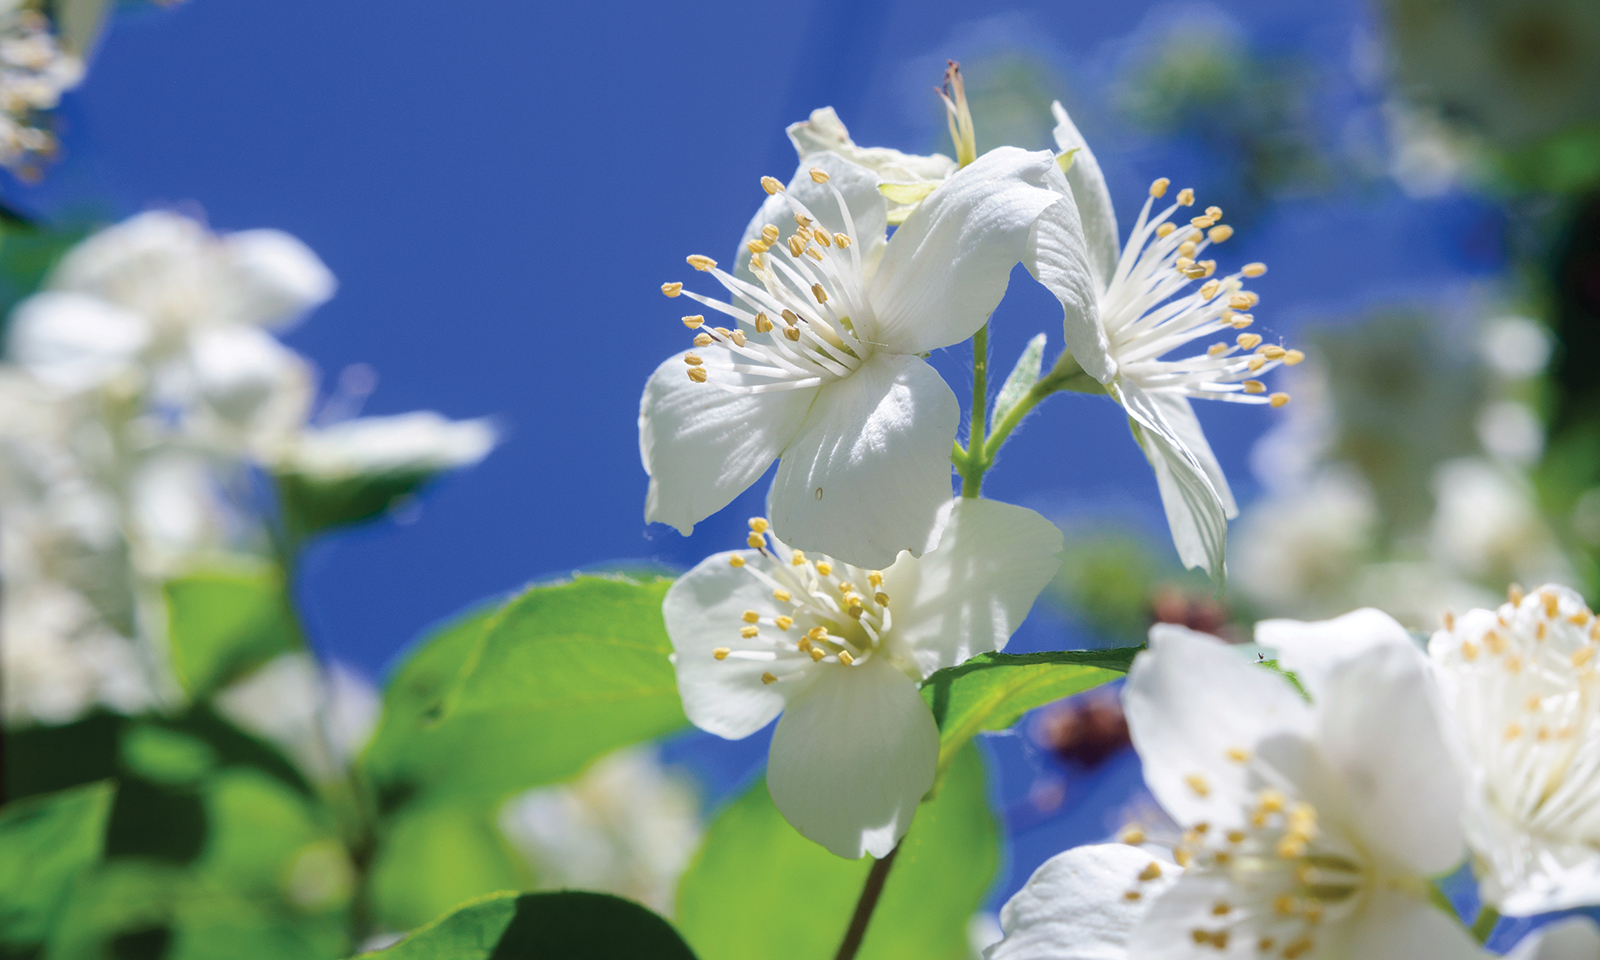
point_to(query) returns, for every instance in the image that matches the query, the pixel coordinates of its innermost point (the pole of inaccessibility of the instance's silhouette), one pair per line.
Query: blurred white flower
(255, 393)
(77, 342)
(1572, 938)
(626, 826)
(825, 372)
(1511, 431)
(907, 178)
(1487, 526)
(1300, 549)
(34, 72)
(839, 652)
(1310, 829)
(60, 659)
(422, 442)
(320, 719)
(1521, 684)
(1515, 347)
(1121, 339)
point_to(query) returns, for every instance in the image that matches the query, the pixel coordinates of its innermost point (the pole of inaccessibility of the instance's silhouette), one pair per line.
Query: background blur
(501, 187)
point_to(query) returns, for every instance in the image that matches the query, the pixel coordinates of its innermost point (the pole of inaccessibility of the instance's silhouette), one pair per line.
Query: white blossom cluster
(144, 383)
(1314, 822)
(34, 72)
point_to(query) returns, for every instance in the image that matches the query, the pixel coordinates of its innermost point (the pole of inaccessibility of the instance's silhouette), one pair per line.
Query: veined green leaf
(1023, 376)
(758, 888)
(595, 926)
(992, 690)
(46, 844)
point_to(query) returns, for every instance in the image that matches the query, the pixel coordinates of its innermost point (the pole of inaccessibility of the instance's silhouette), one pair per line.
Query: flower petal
(870, 469)
(1195, 511)
(825, 131)
(968, 595)
(869, 213)
(1167, 930)
(73, 341)
(1573, 938)
(703, 611)
(1522, 873)
(1177, 413)
(1379, 727)
(1394, 926)
(852, 757)
(702, 446)
(1190, 701)
(1057, 257)
(276, 278)
(1076, 905)
(1094, 200)
(947, 266)
(1311, 649)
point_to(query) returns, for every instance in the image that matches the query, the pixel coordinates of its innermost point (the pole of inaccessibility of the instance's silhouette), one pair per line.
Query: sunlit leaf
(1023, 376)
(759, 889)
(46, 844)
(504, 926)
(992, 690)
(433, 856)
(222, 624)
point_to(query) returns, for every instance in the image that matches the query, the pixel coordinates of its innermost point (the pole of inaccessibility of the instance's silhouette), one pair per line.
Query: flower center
(1527, 693)
(834, 613)
(1144, 322)
(811, 312)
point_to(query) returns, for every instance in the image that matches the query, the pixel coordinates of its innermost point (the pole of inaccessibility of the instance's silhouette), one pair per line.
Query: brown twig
(870, 892)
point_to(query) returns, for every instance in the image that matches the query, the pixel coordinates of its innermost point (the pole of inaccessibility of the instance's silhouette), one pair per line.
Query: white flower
(1309, 829)
(1302, 548)
(60, 658)
(626, 826)
(825, 373)
(907, 178)
(254, 393)
(34, 72)
(320, 718)
(76, 342)
(1573, 938)
(1521, 684)
(421, 442)
(1121, 339)
(1487, 526)
(839, 652)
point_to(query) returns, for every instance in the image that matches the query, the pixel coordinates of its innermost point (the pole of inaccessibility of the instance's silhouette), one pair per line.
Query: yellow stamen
(697, 374)
(771, 185)
(818, 292)
(783, 623)
(672, 289)
(1278, 399)
(736, 561)
(818, 175)
(763, 323)
(700, 262)
(768, 678)
(749, 633)
(1159, 187)
(721, 653)
(1254, 386)
(1186, 197)
(845, 658)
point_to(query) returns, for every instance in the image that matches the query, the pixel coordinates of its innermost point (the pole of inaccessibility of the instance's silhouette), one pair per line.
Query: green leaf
(559, 676)
(224, 623)
(312, 505)
(508, 926)
(46, 843)
(433, 856)
(992, 690)
(1023, 376)
(759, 889)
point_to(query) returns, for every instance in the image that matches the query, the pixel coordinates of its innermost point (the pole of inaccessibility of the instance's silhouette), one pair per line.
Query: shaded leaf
(312, 505)
(534, 926)
(759, 889)
(223, 624)
(992, 690)
(46, 844)
(1022, 378)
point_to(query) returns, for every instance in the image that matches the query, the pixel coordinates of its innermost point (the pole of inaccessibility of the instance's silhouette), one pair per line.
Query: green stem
(1484, 925)
(972, 475)
(870, 891)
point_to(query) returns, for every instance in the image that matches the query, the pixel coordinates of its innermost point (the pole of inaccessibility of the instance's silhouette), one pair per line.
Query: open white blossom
(1522, 686)
(421, 442)
(1574, 938)
(824, 372)
(34, 72)
(1309, 829)
(1121, 340)
(839, 652)
(626, 826)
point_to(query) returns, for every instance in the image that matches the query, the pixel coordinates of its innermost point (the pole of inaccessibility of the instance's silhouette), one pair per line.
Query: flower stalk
(868, 901)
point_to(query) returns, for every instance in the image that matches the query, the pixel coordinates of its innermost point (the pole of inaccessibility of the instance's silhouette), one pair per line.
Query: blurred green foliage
(505, 926)
(223, 624)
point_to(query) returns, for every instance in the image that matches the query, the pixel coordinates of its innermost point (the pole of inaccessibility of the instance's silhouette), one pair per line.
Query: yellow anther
(797, 245)
(1132, 834)
(768, 678)
(1214, 213)
(1151, 871)
(1216, 349)
(736, 561)
(692, 359)
(1292, 357)
(750, 616)
(790, 316)
(792, 333)
(1278, 399)
(1251, 296)
(1582, 655)
(1253, 269)
(823, 567)
(694, 321)
(721, 653)
(1238, 754)
(1235, 836)
(1186, 197)
(1131, 895)
(882, 598)
(749, 633)
(875, 578)
(1183, 263)
(1265, 944)
(756, 540)
(1256, 363)
(672, 289)
(763, 323)
(1551, 602)
(697, 374)
(1159, 187)
(1220, 908)
(1248, 341)
(1201, 222)
(1186, 248)
(721, 330)
(1297, 948)
(1240, 320)
(1254, 386)
(816, 653)
(1240, 302)
(771, 184)
(822, 237)
(1580, 618)
(1539, 630)
(769, 233)
(782, 596)
(1284, 906)
(814, 254)
(1165, 229)
(798, 558)
(1513, 731)
(1273, 352)
(1210, 267)
(1514, 594)
(802, 220)
(1181, 857)
(1209, 288)
(854, 610)
(1533, 703)
(818, 175)
(817, 633)
(804, 645)
(841, 240)
(1495, 642)
(1219, 233)
(1198, 783)
(756, 247)
(845, 658)
(1312, 913)
(702, 339)
(700, 262)
(1270, 800)
(1469, 651)
(819, 293)
(783, 623)
(759, 525)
